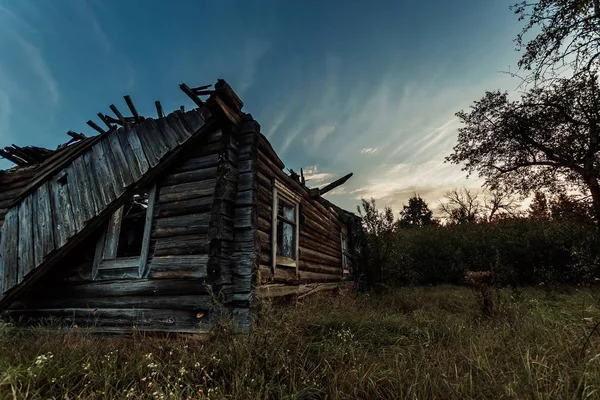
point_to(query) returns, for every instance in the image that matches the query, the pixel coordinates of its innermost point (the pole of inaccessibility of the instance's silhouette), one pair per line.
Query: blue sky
(338, 87)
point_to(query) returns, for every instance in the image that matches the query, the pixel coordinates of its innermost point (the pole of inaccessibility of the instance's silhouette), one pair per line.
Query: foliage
(416, 214)
(547, 140)
(567, 35)
(539, 208)
(379, 227)
(519, 251)
(412, 343)
(563, 206)
(463, 205)
(376, 222)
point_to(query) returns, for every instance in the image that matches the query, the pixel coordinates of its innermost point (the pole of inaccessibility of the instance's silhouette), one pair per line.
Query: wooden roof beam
(118, 114)
(186, 89)
(104, 119)
(196, 89)
(77, 136)
(12, 158)
(119, 122)
(318, 192)
(159, 109)
(94, 126)
(19, 152)
(134, 112)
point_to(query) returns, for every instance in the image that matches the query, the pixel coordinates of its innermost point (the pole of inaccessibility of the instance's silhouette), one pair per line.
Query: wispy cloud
(86, 10)
(254, 50)
(5, 111)
(16, 19)
(131, 76)
(37, 62)
(394, 184)
(369, 150)
(314, 177)
(322, 133)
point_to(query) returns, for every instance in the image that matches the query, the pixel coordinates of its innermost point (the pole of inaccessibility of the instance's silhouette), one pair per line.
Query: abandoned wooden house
(144, 225)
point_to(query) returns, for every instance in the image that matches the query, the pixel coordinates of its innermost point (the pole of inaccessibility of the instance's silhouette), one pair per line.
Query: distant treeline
(554, 241)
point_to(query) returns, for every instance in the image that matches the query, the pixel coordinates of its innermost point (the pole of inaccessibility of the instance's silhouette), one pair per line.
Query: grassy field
(414, 343)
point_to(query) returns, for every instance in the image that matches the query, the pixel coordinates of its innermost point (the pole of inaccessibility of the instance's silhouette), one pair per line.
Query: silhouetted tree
(563, 206)
(567, 35)
(460, 206)
(549, 139)
(416, 214)
(380, 227)
(538, 208)
(499, 203)
(374, 221)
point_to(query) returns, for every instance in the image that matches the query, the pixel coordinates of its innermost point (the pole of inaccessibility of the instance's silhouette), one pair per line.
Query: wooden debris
(196, 89)
(118, 114)
(132, 108)
(106, 121)
(76, 136)
(334, 184)
(159, 109)
(93, 125)
(185, 88)
(211, 217)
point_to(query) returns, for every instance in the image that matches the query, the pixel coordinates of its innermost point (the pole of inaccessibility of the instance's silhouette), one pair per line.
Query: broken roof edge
(222, 100)
(23, 156)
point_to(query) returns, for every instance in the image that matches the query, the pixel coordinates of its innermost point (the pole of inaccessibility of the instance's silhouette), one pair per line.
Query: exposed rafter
(318, 192)
(159, 109)
(134, 112)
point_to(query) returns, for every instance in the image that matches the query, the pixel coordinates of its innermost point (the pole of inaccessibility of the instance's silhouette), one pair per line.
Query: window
(132, 226)
(345, 255)
(122, 249)
(285, 228)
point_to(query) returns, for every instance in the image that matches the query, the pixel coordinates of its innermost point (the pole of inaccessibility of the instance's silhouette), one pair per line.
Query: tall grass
(413, 343)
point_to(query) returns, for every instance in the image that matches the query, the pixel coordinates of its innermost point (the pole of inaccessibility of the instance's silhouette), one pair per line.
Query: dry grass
(417, 343)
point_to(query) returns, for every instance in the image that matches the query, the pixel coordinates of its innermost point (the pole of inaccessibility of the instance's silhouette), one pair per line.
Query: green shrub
(518, 251)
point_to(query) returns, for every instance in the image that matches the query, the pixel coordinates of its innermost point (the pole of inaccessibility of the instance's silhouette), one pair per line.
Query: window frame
(346, 255)
(293, 199)
(105, 256)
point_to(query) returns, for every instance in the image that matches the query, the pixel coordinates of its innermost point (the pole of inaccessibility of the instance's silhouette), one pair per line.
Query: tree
(460, 206)
(380, 228)
(567, 35)
(376, 222)
(416, 214)
(563, 206)
(538, 208)
(500, 203)
(549, 139)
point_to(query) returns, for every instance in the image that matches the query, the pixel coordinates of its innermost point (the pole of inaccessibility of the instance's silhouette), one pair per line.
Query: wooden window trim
(283, 192)
(107, 244)
(344, 244)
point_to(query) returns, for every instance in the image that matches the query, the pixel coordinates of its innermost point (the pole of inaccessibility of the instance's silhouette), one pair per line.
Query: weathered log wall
(191, 232)
(320, 253)
(246, 246)
(210, 233)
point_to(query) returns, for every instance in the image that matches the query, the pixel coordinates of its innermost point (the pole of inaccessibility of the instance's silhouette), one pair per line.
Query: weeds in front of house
(421, 343)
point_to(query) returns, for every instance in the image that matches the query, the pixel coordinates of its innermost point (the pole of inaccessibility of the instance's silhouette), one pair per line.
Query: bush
(517, 251)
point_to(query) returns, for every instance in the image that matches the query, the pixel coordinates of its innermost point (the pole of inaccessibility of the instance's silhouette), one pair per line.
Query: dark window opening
(131, 234)
(345, 254)
(286, 230)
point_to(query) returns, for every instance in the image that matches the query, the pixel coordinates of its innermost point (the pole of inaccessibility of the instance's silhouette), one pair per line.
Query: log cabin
(152, 222)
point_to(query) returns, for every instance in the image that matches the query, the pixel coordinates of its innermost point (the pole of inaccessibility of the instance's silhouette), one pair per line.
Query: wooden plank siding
(209, 224)
(320, 251)
(82, 190)
(178, 256)
(245, 254)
